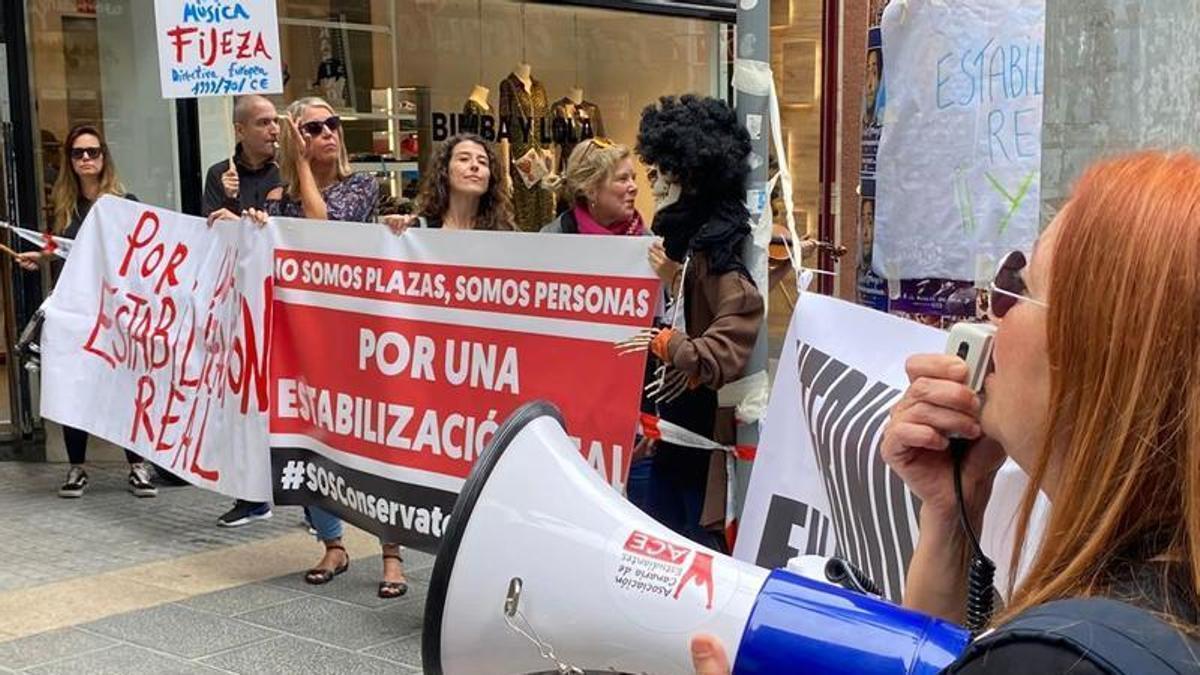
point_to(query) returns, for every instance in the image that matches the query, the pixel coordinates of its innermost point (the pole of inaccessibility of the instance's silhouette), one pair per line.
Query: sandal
(318, 576)
(392, 589)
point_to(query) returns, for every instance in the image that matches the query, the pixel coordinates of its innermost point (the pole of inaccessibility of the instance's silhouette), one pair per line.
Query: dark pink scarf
(588, 225)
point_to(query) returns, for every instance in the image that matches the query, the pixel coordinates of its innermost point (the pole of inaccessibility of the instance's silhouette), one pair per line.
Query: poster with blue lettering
(218, 47)
(960, 154)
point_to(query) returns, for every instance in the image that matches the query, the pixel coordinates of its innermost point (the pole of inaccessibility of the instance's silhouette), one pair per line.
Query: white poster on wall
(218, 47)
(960, 156)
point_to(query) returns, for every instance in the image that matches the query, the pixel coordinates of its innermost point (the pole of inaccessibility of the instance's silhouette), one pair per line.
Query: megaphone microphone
(545, 567)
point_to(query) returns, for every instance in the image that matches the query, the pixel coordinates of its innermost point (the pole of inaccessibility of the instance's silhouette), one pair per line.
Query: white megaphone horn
(545, 567)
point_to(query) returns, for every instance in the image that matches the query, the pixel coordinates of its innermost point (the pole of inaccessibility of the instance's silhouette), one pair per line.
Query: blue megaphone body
(545, 567)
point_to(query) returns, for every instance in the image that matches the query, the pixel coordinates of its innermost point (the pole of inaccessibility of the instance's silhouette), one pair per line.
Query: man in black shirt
(231, 189)
(255, 173)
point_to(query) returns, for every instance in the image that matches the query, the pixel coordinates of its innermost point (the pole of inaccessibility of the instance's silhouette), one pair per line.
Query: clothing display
(573, 123)
(473, 113)
(525, 113)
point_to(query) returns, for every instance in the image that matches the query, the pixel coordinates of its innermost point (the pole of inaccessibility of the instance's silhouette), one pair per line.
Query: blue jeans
(327, 525)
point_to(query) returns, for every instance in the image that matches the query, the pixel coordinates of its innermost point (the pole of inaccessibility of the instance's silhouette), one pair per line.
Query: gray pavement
(278, 625)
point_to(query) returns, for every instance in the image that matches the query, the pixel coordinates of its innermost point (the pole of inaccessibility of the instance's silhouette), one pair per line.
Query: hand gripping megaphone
(545, 567)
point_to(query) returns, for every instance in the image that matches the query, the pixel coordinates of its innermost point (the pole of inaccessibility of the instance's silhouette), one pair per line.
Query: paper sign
(960, 156)
(218, 47)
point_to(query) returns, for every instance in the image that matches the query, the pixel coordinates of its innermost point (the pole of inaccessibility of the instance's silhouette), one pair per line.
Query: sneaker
(244, 513)
(139, 481)
(77, 480)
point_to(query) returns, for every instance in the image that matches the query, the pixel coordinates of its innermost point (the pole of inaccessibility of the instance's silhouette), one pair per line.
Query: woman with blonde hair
(318, 183)
(1096, 396)
(88, 173)
(314, 168)
(597, 191)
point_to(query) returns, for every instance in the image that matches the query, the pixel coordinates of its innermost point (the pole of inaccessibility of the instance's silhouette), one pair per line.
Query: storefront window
(796, 47)
(96, 62)
(401, 72)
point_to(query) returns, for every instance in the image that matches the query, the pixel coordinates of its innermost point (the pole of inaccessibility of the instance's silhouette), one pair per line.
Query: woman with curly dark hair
(698, 154)
(460, 191)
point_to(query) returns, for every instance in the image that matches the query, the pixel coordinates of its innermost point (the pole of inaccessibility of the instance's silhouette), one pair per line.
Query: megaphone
(544, 567)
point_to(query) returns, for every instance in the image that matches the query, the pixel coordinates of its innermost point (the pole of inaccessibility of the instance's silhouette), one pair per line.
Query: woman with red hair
(1096, 395)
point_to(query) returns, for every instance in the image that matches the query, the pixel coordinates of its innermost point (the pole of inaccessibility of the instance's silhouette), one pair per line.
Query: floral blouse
(354, 199)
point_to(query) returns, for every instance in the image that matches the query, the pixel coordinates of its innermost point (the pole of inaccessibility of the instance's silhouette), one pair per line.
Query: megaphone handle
(512, 610)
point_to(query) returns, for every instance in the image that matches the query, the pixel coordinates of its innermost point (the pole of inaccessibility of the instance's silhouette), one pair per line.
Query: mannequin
(575, 120)
(475, 109)
(524, 73)
(479, 96)
(525, 109)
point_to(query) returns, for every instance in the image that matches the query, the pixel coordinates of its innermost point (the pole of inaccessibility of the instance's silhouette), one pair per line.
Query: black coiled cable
(981, 572)
(841, 572)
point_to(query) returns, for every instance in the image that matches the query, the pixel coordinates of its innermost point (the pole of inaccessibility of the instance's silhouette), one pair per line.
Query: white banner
(819, 485)
(155, 340)
(218, 47)
(960, 156)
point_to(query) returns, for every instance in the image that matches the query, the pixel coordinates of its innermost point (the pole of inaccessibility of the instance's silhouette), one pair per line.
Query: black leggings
(76, 442)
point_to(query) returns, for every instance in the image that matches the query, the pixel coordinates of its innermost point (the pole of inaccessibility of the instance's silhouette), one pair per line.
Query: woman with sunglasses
(1096, 396)
(319, 184)
(89, 174)
(460, 192)
(597, 191)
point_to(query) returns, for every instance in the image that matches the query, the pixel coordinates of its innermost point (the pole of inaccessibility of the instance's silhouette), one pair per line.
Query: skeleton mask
(665, 188)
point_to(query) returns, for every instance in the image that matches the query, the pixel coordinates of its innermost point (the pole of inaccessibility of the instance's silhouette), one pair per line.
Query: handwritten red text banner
(154, 340)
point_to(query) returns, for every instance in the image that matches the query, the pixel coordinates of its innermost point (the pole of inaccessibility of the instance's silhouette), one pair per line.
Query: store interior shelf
(337, 25)
(355, 116)
(384, 166)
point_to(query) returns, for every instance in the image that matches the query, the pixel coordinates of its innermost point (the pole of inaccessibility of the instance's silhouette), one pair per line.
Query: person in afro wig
(697, 154)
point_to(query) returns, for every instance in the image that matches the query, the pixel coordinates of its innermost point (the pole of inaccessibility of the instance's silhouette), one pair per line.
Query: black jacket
(253, 186)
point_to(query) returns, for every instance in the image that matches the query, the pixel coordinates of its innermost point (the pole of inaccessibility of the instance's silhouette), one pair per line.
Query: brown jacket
(724, 314)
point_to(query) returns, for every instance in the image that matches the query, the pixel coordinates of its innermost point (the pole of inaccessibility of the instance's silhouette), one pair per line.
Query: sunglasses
(90, 153)
(1008, 286)
(333, 123)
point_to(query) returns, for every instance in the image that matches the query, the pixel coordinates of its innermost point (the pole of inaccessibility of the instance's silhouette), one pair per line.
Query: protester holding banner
(319, 184)
(243, 181)
(699, 152)
(460, 192)
(92, 173)
(232, 187)
(597, 191)
(1096, 395)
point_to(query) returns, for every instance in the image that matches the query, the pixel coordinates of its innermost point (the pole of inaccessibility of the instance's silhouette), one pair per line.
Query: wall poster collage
(933, 302)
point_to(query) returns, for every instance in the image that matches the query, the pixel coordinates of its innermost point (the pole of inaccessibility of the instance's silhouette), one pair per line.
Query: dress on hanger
(576, 122)
(533, 205)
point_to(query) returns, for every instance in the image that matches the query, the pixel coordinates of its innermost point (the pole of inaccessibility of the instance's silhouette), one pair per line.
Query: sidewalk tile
(28, 611)
(406, 651)
(123, 660)
(179, 630)
(46, 647)
(241, 599)
(286, 655)
(330, 621)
